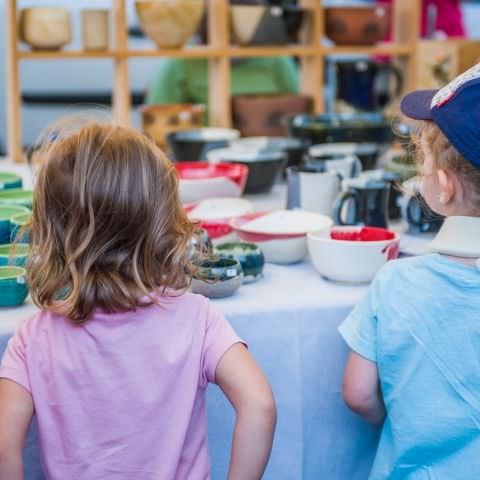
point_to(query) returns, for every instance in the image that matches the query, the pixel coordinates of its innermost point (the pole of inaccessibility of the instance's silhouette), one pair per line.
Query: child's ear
(448, 186)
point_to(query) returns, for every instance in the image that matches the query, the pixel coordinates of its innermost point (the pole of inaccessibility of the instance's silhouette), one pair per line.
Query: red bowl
(216, 229)
(362, 234)
(204, 171)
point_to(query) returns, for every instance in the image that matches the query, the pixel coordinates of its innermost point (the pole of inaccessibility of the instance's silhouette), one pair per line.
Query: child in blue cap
(415, 364)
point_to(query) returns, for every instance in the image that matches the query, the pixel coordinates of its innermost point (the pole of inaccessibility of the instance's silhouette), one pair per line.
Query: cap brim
(417, 104)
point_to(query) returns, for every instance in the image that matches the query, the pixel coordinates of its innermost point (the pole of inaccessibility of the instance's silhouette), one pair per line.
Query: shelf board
(381, 49)
(273, 51)
(62, 54)
(201, 51)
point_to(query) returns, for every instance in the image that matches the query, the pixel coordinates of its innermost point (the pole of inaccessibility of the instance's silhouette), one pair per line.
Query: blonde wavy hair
(108, 228)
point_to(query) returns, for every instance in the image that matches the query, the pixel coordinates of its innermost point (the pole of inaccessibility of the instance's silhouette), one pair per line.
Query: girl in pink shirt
(116, 364)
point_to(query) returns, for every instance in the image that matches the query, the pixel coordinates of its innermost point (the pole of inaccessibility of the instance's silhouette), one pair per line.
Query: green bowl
(6, 212)
(13, 286)
(17, 222)
(9, 181)
(13, 254)
(248, 255)
(17, 196)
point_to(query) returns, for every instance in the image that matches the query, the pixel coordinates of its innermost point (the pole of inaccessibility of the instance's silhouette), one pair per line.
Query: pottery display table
(289, 319)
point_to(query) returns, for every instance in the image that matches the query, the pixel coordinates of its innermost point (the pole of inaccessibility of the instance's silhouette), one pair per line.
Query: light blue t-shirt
(420, 322)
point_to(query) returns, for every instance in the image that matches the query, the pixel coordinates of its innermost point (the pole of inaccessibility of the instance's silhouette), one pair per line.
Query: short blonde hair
(107, 227)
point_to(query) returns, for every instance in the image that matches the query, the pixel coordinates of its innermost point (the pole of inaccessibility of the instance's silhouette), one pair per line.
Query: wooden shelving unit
(219, 52)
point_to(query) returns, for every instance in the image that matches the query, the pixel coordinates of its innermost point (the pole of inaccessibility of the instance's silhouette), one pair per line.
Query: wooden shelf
(406, 27)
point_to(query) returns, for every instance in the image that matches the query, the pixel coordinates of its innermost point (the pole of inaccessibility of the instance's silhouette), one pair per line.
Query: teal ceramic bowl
(248, 255)
(13, 254)
(9, 181)
(17, 196)
(13, 286)
(216, 277)
(6, 212)
(17, 222)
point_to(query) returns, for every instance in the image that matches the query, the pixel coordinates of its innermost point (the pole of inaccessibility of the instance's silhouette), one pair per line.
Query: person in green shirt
(186, 80)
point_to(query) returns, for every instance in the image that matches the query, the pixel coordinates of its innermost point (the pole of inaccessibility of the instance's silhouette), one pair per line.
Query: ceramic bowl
(45, 28)
(17, 222)
(249, 255)
(218, 208)
(264, 166)
(9, 181)
(17, 196)
(6, 212)
(367, 152)
(357, 25)
(202, 180)
(13, 286)
(170, 24)
(161, 119)
(352, 254)
(282, 236)
(193, 145)
(216, 277)
(14, 254)
(341, 128)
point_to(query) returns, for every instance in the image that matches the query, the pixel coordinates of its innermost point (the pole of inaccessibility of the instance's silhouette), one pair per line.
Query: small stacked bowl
(13, 286)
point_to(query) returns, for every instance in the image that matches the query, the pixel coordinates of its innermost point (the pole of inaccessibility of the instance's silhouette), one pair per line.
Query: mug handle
(410, 205)
(339, 203)
(357, 166)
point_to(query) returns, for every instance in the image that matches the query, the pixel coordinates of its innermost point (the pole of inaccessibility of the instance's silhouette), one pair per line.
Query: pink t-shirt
(122, 397)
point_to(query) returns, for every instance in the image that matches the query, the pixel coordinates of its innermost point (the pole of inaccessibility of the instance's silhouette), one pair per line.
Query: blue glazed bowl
(13, 286)
(248, 255)
(9, 181)
(17, 196)
(17, 222)
(13, 254)
(6, 212)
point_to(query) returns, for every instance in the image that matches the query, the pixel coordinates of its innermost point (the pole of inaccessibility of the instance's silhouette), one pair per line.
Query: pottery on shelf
(216, 277)
(357, 25)
(169, 23)
(6, 212)
(95, 29)
(45, 28)
(249, 255)
(9, 181)
(13, 286)
(14, 254)
(17, 196)
(161, 119)
(17, 222)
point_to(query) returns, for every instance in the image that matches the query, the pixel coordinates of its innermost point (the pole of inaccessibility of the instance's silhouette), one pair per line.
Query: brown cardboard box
(442, 60)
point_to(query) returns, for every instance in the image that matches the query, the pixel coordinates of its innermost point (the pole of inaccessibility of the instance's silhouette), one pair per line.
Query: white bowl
(347, 261)
(193, 190)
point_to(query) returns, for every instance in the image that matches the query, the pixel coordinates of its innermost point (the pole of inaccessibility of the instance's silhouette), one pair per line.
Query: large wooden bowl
(45, 28)
(357, 25)
(170, 23)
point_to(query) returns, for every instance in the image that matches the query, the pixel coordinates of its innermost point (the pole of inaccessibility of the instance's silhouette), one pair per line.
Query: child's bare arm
(16, 412)
(244, 384)
(361, 388)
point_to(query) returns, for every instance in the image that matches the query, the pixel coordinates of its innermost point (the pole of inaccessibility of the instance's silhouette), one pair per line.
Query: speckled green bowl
(248, 254)
(13, 286)
(13, 254)
(10, 180)
(17, 196)
(6, 212)
(17, 222)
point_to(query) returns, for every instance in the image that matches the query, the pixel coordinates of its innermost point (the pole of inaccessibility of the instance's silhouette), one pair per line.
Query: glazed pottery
(347, 166)
(352, 254)
(357, 25)
(216, 277)
(95, 29)
(193, 145)
(161, 119)
(17, 196)
(218, 208)
(366, 152)
(13, 286)
(9, 181)
(267, 115)
(248, 254)
(341, 128)
(284, 240)
(364, 201)
(264, 166)
(203, 180)
(6, 212)
(170, 23)
(17, 222)
(312, 190)
(45, 28)
(13, 254)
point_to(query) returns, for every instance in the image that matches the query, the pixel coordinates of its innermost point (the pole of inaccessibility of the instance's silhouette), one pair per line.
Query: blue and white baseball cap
(455, 108)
